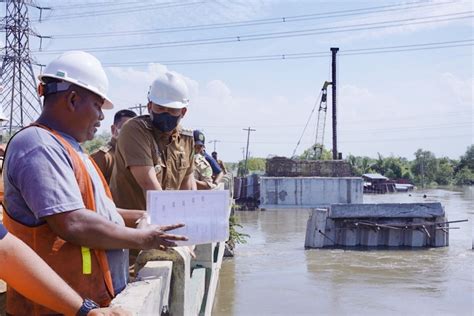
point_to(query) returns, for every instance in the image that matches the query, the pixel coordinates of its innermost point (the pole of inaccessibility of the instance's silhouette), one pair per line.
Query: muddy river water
(274, 275)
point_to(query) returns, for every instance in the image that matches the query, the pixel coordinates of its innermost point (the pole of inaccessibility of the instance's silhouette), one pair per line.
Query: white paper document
(205, 214)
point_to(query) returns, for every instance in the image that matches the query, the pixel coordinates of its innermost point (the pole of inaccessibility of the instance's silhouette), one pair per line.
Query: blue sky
(391, 103)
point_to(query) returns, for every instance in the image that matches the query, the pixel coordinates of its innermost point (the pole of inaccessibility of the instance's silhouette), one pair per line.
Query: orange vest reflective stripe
(88, 274)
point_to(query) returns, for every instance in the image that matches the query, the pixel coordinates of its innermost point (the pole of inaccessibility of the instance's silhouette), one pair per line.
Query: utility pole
(214, 141)
(140, 107)
(247, 151)
(240, 168)
(19, 99)
(422, 171)
(334, 112)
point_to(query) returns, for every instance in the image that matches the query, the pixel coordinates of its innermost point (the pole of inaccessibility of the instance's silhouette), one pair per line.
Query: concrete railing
(172, 282)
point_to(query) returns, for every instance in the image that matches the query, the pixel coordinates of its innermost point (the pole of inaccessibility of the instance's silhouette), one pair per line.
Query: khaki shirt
(140, 144)
(221, 164)
(104, 158)
(203, 170)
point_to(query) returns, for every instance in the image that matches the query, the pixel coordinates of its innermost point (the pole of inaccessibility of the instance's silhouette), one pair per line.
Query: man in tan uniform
(153, 152)
(219, 162)
(202, 168)
(104, 157)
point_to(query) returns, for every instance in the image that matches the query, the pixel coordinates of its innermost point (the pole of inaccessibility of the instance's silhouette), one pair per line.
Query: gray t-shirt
(3, 231)
(39, 181)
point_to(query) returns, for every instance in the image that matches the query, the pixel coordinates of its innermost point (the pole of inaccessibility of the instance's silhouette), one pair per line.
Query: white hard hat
(82, 69)
(169, 90)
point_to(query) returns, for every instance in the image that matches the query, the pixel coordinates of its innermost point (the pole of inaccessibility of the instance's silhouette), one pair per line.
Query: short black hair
(123, 113)
(214, 153)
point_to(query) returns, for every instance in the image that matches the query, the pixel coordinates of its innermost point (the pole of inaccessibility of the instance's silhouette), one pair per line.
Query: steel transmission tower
(18, 96)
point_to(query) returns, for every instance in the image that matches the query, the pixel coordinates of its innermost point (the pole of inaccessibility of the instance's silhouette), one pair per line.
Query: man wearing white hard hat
(153, 152)
(56, 199)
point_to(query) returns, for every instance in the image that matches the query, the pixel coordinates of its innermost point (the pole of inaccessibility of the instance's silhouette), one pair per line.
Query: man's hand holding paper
(156, 237)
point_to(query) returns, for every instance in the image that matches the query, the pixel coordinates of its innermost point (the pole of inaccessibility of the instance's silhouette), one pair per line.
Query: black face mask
(165, 122)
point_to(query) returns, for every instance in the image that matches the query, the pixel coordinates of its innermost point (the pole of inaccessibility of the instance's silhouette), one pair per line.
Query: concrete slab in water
(389, 210)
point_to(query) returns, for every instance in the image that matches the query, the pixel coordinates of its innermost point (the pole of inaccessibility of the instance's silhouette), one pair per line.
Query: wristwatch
(86, 307)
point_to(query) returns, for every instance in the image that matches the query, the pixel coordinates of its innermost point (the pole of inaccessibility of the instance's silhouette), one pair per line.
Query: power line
(409, 128)
(407, 138)
(286, 34)
(406, 50)
(131, 9)
(215, 141)
(355, 140)
(358, 121)
(276, 20)
(304, 55)
(75, 6)
(381, 130)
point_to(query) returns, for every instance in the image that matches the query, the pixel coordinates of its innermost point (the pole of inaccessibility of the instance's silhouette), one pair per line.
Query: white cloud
(139, 81)
(426, 9)
(218, 90)
(367, 115)
(460, 90)
(431, 113)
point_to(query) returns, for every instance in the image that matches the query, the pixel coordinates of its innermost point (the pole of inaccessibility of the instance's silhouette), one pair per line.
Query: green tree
(100, 140)
(464, 177)
(254, 165)
(445, 172)
(424, 167)
(405, 164)
(359, 165)
(393, 167)
(407, 175)
(364, 164)
(378, 165)
(309, 154)
(352, 160)
(467, 160)
(231, 166)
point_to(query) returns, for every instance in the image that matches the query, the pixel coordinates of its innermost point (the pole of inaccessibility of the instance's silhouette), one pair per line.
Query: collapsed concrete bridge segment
(378, 225)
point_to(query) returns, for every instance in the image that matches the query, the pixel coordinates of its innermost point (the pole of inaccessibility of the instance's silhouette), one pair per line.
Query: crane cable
(307, 122)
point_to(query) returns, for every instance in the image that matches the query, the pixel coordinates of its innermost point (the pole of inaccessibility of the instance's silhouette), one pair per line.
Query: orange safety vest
(88, 274)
